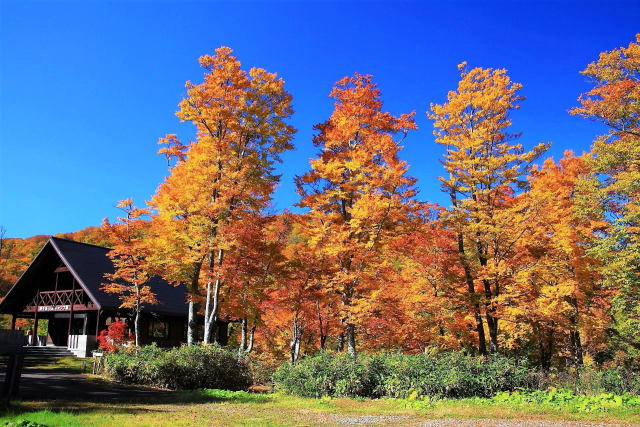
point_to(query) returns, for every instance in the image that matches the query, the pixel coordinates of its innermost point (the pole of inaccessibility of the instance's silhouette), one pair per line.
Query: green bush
(183, 368)
(619, 381)
(601, 402)
(591, 380)
(401, 375)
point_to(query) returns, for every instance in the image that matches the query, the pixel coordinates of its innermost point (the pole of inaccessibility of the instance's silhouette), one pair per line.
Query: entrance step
(44, 354)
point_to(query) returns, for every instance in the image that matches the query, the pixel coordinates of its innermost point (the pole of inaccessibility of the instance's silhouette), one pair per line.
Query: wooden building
(63, 284)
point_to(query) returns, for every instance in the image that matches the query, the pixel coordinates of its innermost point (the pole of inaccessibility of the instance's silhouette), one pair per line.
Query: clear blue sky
(87, 88)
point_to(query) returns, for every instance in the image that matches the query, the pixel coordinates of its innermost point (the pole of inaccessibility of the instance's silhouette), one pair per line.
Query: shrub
(114, 337)
(401, 375)
(194, 367)
(591, 380)
(601, 402)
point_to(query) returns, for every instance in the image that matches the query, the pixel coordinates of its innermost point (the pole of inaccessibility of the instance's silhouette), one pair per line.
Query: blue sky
(87, 88)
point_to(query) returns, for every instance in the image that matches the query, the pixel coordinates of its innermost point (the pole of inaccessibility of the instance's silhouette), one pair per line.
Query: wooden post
(34, 337)
(73, 290)
(13, 322)
(97, 324)
(12, 376)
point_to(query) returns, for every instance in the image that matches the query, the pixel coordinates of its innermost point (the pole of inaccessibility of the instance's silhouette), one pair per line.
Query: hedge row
(192, 367)
(400, 375)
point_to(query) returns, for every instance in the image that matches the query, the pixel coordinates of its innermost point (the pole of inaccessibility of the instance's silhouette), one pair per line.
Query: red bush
(114, 337)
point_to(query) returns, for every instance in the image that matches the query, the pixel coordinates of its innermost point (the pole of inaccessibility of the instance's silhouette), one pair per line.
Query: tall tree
(129, 256)
(556, 295)
(358, 194)
(484, 168)
(614, 188)
(228, 172)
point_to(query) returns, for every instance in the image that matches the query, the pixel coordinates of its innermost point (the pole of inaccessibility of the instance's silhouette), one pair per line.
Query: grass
(212, 407)
(70, 364)
(219, 407)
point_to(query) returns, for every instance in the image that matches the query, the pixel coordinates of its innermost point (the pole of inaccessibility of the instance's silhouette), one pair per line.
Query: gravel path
(371, 420)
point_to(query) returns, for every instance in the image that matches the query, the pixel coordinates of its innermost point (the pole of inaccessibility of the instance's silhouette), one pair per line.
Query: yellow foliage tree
(484, 168)
(358, 195)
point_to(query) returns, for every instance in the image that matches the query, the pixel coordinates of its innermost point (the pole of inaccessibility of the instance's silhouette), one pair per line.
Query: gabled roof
(88, 264)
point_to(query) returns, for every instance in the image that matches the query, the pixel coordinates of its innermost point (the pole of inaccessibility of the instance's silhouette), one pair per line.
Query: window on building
(158, 329)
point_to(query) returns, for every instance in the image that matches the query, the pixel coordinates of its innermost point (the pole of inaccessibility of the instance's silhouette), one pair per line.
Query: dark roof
(88, 264)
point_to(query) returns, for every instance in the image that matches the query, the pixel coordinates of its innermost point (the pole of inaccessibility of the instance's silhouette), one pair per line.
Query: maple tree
(614, 186)
(358, 194)
(130, 280)
(484, 168)
(225, 175)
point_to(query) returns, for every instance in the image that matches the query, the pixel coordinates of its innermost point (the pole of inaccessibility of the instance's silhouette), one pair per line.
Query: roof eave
(73, 272)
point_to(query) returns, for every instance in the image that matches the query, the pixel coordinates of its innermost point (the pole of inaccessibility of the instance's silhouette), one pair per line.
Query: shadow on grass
(128, 404)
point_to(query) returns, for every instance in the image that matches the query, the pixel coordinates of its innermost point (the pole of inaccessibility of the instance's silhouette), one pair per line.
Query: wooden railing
(62, 299)
(68, 297)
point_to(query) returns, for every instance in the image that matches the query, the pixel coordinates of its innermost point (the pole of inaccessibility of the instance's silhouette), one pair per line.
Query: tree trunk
(243, 335)
(251, 335)
(574, 335)
(350, 333)
(246, 338)
(213, 298)
(191, 322)
(482, 341)
(489, 310)
(340, 343)
(136, 327)
(492, 325)
(576, 347)
(296, 337)
(207, 304)
(193, 290)
(321, 329)
(546, 348)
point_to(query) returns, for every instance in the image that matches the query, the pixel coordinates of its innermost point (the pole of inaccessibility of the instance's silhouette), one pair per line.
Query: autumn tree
(614, 187)
(226, 174)
(357, 193)
(129, 256)
(484, 168)
(301, 311)
(428, 286)
(251, 269)
(555, 298)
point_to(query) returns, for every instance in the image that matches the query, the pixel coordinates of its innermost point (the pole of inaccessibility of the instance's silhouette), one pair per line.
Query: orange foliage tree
(555, 298)
(484, 168)
(358, 195)
(301, 310)
(436, 313)
(222, 178)
(129, 256)
(613, 188)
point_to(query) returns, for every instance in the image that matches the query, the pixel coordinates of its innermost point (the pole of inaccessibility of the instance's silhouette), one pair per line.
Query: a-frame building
(63, 284)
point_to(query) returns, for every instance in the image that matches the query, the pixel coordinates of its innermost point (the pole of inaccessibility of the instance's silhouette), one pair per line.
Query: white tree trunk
(191, 323)
(136, 326)
(296, 337)
(212, 303)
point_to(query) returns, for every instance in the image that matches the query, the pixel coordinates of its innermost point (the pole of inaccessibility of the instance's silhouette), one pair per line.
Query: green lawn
(214, 407)
(69, 364)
